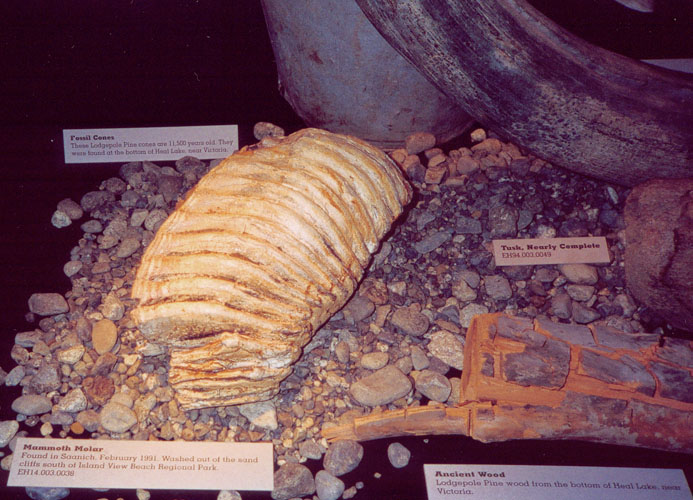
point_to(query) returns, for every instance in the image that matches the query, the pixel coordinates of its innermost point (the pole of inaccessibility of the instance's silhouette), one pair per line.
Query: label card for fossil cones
(531, 251)
(534, 482)
(189, 465)
(107, 145)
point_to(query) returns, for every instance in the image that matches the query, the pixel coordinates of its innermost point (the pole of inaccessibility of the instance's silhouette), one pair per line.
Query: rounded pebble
(374, 360)
(327, 486)
(381, 387)
(31, 404)
(115, 417)
(342, 457)
(292, 480)
(398, 455)
(104, 335)
(433, 385)
(47, 304)
(42, 493)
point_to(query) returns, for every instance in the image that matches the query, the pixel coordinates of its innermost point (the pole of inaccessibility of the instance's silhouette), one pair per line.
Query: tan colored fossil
(268, 245)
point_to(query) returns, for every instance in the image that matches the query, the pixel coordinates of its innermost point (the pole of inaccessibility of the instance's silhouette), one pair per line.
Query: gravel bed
(86, 371)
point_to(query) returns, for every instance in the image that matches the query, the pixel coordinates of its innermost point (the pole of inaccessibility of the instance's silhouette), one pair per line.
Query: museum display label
(525, 482)
(109, 145)
(531, 251)
(189, 465)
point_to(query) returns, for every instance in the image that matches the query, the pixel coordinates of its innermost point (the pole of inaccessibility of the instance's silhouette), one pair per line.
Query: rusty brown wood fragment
(538, 379)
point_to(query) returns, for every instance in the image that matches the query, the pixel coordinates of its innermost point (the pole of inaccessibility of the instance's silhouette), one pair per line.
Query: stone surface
(581, 274)
(47, 304)
(374, 360)
(31, 404)
(381, 387)
(659, 251)
(262, 414)
(448, 348)
(432, 241)
(398, 455)
(327, 486)
(43, 493)
(104, 335)
(418, 142)
(469, 311)
(73, 402)
(342, 457)
(115, 417)
(497, 287)
(8, 428)
(410, 321)
(292, 480)
(433, 385)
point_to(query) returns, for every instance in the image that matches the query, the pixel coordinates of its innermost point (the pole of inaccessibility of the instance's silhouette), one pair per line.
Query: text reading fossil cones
(263, 251)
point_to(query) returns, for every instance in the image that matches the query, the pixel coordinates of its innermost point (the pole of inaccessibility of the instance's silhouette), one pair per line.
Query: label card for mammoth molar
(531, 251)
(171, 465)
(538, 482)
(106, 145)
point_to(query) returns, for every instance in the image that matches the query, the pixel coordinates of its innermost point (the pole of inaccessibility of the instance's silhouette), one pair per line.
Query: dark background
(79, 64)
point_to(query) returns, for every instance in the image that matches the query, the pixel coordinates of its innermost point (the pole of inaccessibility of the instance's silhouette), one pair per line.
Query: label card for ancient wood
(531, 251)
(107, 145)
(189, 465)
(533, 482)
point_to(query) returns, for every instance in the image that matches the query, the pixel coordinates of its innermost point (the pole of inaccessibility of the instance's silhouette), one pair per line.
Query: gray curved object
(338, 73)
(569, 102)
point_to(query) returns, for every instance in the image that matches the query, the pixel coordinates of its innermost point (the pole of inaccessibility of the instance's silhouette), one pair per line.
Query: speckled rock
(327, 486)
(433, 385)
(410, 321)
(115, 417)
(469, 311)
(342, 457)
(374, 360)
(292, 480)
(104, 335)
(581, 274)
(398, 455)
(447, 347)
(42, 493)
(8, 428)
(262, 414)
(31, 404)
(381, 387)
(47, 304)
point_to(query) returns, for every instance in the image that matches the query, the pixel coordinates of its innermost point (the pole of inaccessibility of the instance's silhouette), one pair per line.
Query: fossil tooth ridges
(265, 248)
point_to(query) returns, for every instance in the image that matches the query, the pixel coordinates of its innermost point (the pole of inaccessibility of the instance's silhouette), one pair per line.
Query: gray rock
(381, 387)
(42, 493)
(468, 225)
(502, 220)
(327, 486)
(433, 385)
(342, 457)
(95, 199)
(583, 314)
(31, 404)
(89, 420)
(8, 428)
(28, 339)
(47, 304)
(342, 351)
(462, 291)
(116, 417)
(73, 402)
(154, 219)
(267, 129)
(112, 308)
(170, 186)
(469, 311)
(447, 347)
(60, 219)
(374, 360)
(292, 480)
(127, 247)
(581, 293)
(92, 227)
(497, 287)
(561, 306)
(418, 358)
(46, 379)
(581, 274)
(261, 414)
(229, 495)
(410, 321)
(310, 449)
(72, 267)
(15, 376)
(404, 364)
(358, 308)
(188, 164)
(70, 208)
(114, 185)
(398, 455)
(432, 241)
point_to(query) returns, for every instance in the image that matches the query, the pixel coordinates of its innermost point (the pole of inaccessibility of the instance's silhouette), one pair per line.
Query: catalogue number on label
(519, 252)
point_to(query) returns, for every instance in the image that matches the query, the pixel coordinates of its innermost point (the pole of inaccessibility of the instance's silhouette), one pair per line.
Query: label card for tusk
(531, 251)
(171, 465)
(114, 145)
(535, 482)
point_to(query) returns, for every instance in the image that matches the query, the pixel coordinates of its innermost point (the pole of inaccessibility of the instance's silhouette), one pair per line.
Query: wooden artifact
(538, 379)
(265, 248)
(535, 83)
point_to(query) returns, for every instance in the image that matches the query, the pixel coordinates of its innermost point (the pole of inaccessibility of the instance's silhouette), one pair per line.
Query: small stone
(478, 135)
(8, 428)
(154, 219)
(73, 402)
(466, 165)
(44, 493)
(398, 455)
(112, 308)
(381, 387)
(88, 419)
(497, 287)
(410, 321)
(374, 360)
(581, 293)
(502, 220)
(584, 315)
(28, 339)
(262, 414)
(15, 376)
(60, 219)
(127, 247)
(327, 486)
(188, 164)
(92, 227)
(31, 404)
(72, 267)
(445, 346)
(581, 274)
(342, 457)
(46, 429)
(292, 480)
(469, 311)
(229, 495)
(358, 308)
(561, 306)
(170, 186)
(462, 291)
(104, 335)
(489, 146)
(432, 241)
(115, 417)
(143, 494)
(70, 208)
(433, 385)
(95, 199)
(418, 358)
(418, 142)
(436, 174)
(47, 304)
(267, 129)
(71, 355)
(310, 449)
(46, 379)
(138, 217)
